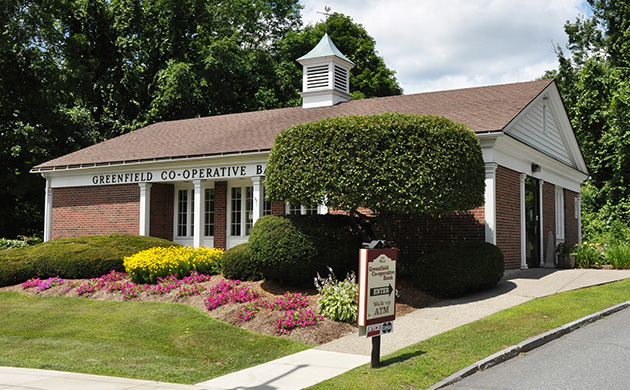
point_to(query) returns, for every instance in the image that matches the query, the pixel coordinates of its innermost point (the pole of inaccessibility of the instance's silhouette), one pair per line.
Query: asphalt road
(596, 356)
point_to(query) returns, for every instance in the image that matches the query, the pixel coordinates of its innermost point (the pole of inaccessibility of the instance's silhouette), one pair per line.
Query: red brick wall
(571, 224)
(480, 215)
(162, 201)
(86, 211)
(220, 214)
(508, 214)
(415, 235)
(549, 217)
(278, 208)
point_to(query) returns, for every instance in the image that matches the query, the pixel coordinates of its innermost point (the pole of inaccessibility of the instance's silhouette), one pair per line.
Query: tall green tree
(369, 78)
(39, 118)
(595, 81)
(76, 72)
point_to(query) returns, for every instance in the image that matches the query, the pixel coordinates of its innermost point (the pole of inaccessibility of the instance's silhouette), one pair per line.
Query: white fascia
(75, 177)
(513, 154)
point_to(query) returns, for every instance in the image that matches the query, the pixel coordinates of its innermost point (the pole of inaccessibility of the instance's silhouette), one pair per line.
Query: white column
(145, 209)
(48, 201)
(490, 203)
(541, 234)
(523, 227)
(259, 201)
(200, 194)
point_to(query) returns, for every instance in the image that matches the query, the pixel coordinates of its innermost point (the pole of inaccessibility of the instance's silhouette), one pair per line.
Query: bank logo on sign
(379, 329)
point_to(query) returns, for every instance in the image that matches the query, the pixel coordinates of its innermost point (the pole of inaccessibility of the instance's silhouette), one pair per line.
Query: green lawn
(426, 363)
(154, 341)
(177, 343)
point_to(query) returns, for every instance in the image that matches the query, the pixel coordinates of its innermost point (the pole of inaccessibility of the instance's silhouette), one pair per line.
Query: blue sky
(446, 44)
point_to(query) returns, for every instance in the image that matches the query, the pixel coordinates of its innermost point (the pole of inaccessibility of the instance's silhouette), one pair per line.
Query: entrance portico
(213, 203)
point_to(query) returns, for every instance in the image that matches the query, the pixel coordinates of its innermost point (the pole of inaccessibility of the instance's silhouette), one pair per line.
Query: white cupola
(326, 75)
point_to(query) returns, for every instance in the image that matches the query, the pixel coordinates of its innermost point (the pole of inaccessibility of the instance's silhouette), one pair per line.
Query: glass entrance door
(532, 222)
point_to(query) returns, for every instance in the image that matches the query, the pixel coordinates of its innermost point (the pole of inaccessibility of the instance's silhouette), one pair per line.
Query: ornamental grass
(149, 265)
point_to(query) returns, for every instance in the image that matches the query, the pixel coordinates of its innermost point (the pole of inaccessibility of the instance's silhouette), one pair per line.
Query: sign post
(377, 295)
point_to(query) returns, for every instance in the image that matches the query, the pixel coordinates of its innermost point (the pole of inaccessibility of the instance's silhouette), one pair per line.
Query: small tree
(387, 163)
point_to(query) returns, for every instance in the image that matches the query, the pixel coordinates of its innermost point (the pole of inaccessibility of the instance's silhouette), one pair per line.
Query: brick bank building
(199, 182)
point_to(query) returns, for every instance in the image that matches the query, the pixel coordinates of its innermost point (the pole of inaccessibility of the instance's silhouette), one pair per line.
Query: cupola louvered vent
(325, 81)
(341, 78)
(317, 77)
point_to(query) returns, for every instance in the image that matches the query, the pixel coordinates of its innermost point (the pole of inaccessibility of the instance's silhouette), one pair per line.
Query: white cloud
(445, 44)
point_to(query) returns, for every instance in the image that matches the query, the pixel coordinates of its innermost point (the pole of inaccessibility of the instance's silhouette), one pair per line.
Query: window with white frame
(559, 213)
(309, 210)
(185, 212)
(294, 209)
(266, 204)
(249, 209)
(301, 210)
(236, 211)
(209, 213)
(241, 210)
(266, 207)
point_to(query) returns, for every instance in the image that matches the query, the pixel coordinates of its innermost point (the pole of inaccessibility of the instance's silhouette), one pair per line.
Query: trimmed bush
(72, 258)
(391, 162)
(15, 270)
(238, 264)
(159, 262)
(461, 268)
(293, 249)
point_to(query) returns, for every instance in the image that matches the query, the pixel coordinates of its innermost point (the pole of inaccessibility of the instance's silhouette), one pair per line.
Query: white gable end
(544, 126)
(539, 129)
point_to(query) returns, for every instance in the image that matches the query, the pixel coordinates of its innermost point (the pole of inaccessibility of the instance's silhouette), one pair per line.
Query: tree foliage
(388, 163)
(595, 82)
(370, 77)
(76, 72)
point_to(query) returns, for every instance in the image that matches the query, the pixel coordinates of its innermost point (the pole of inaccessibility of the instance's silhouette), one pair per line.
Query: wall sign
(377, 290)
(168, 175)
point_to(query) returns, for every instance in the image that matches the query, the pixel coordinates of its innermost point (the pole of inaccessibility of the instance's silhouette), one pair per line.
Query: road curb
(527, 345)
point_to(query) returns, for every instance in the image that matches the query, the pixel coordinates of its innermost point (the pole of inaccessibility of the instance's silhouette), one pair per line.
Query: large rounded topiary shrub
(238, 264)
(460, 268)
(293, 249)
(73, 258)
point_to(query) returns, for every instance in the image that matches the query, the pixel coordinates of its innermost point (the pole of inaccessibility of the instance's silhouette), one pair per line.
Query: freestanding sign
(377, 286)
(377, 295)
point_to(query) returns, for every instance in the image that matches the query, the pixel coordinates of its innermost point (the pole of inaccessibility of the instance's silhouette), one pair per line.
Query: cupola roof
(325, 48)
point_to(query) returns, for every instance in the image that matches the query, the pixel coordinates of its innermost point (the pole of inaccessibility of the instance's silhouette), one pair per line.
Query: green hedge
(460, 268)
(238, 264)
(390, 162)
(292, 249)
(72, 258)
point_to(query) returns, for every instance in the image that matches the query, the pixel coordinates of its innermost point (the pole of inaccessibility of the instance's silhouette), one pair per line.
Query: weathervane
(327, 14)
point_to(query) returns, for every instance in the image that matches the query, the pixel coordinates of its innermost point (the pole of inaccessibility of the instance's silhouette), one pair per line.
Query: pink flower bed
(292, 305)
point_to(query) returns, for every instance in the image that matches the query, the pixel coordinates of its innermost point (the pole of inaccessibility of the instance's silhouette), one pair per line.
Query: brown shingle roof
(483, 109)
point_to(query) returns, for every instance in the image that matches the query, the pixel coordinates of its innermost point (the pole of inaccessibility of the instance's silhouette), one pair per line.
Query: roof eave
(54, 168)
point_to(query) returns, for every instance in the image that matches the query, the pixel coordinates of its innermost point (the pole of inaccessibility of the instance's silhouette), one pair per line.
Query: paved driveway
(596, 356)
